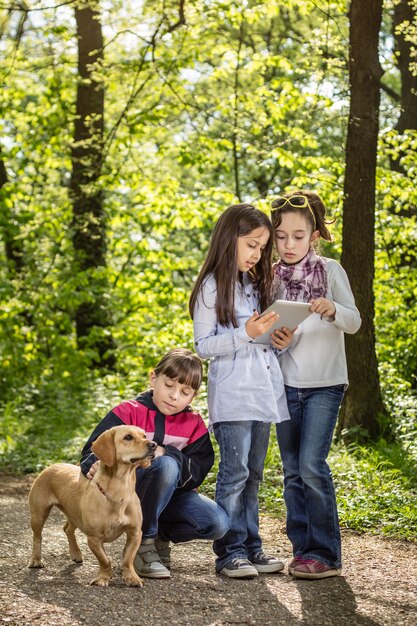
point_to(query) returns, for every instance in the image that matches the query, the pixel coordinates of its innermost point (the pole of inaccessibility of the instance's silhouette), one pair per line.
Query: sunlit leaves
(241, 101)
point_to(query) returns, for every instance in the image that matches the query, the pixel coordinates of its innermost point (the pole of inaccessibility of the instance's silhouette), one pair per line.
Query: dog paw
(100, 582)
(77, 559)
(133, 581)
(35, 563)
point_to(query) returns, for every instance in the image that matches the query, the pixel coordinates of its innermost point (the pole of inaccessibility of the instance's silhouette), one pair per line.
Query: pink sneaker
(297, 560)
(310, 568)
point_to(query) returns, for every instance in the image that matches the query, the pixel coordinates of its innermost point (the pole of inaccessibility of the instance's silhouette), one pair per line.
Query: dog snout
(152, 445)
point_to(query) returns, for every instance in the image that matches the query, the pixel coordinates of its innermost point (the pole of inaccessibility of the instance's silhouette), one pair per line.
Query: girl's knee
(313, 470)
(168, 468)
(164, 469)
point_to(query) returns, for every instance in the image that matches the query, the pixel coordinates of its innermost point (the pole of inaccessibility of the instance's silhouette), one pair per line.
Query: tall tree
(403, 213)
(405, 18)
(89, 228)
(404, 27)
(10, 228)
(363, 401)
(3, 173)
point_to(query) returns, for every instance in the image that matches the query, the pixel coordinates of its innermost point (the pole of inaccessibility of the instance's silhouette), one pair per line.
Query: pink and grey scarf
(302, 281)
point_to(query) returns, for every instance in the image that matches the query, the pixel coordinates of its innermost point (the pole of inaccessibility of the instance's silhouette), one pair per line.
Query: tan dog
(103, 508)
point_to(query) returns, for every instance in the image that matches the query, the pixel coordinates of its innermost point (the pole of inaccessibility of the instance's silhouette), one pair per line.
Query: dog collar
(100, 488)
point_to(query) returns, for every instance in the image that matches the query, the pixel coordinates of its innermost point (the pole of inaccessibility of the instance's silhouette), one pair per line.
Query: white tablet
(291, 314)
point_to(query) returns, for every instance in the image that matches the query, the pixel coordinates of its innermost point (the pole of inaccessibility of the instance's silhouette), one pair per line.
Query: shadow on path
(60, 594)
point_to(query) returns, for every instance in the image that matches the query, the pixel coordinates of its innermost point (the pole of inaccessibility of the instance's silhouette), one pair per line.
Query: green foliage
(396, 265)
(240, 103)
(51, 421)
(376, 490)
(203, 115)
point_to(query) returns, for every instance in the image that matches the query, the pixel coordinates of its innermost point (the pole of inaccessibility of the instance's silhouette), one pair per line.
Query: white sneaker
(148, 563)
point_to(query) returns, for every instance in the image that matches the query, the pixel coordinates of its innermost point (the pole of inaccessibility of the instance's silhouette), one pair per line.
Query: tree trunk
(405, 12)
(89, 226)
(363, 401)
(404, 48)
(10, 228)
(3, 174)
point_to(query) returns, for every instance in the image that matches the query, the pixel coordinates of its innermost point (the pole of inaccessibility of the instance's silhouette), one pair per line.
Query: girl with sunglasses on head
(245, 386)
(315, 375)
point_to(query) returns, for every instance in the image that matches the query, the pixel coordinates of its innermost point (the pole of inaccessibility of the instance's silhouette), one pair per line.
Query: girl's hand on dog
(91, 472)
(160, 451)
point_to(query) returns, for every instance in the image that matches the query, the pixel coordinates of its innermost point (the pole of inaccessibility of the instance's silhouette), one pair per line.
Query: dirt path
(379, 585)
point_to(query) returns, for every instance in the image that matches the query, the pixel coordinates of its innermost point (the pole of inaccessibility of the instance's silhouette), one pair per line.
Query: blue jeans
(181, 516)
(243, 446)
(304, 442)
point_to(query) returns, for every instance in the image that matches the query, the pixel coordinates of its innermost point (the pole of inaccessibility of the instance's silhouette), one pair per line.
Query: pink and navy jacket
(183, 435)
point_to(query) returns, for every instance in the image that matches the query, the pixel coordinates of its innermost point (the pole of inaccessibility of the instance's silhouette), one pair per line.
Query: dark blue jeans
(180, 516)
(243, 446)
(304, 441)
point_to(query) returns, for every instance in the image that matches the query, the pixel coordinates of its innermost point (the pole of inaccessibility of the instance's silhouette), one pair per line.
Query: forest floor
(378, 586)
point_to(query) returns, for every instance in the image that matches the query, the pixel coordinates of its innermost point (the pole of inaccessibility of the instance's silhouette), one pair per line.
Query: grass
(376, 492)
(51, 422)
(376, 485)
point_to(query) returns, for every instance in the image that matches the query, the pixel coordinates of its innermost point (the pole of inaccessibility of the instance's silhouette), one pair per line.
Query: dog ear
(104, 448)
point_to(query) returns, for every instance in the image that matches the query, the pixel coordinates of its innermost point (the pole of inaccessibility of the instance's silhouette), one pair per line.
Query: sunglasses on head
(296, 201)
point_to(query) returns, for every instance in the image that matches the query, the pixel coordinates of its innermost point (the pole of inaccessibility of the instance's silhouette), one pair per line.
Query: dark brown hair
(221, 261)
(318, 222)
(182, 365)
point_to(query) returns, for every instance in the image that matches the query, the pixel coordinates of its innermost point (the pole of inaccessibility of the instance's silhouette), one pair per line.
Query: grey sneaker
(164, 550)
(265, 563)
(239, 568)
(147, 562)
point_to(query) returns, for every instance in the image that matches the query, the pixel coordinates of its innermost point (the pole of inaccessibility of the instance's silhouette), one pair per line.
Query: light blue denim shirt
(244, 378)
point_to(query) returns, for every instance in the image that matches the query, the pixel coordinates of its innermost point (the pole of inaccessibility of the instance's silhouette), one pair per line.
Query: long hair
(221, 261)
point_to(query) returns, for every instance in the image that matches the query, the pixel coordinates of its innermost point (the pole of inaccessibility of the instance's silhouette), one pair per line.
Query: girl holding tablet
(245, 386)
(315, 375)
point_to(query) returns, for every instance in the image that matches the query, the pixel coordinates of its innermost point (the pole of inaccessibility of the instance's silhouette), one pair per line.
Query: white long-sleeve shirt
(316, 356)
(244, 378)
